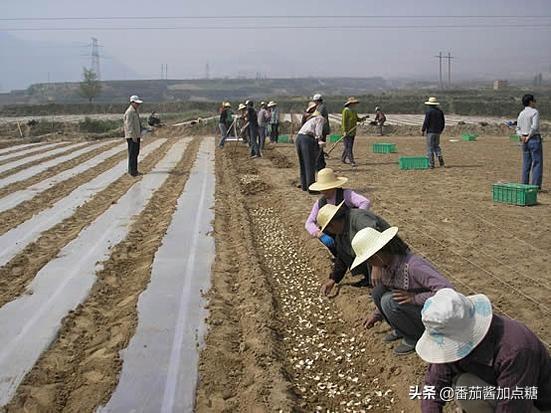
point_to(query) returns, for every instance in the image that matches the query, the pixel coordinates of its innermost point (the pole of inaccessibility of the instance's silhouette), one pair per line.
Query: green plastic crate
(334, 138)
(469, 137)
(414, 162)
(283, 139)
(514, 138)
(515, 194)
(384, 147)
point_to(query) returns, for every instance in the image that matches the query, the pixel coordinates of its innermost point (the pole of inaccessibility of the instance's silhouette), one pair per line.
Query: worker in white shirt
(308, 144)
(528, 129)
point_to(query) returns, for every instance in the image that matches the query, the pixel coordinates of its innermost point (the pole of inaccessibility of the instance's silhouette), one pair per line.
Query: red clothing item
(509, 356)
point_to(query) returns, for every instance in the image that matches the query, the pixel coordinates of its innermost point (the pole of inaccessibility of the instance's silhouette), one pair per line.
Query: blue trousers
(253, 140)
(433, 146)
(223, 134)
(532, 161)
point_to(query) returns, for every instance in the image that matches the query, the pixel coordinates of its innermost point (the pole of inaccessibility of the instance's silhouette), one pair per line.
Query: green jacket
(349, 120)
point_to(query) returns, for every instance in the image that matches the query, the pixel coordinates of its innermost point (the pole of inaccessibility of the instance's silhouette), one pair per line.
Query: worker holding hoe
(349, 124)
(331, 188)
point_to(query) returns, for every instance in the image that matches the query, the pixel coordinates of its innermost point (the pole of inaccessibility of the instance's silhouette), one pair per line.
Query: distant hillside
(195, 90)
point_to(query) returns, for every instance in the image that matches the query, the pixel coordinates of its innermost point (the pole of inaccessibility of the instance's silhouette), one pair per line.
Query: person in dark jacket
(433, 126)
(469, 348)
(342, 224)
(225, 122)
(254, 140)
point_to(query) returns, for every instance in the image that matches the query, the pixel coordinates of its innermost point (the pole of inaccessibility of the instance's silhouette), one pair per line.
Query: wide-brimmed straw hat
(368, 241)
(272, 104)
(311, 106)
(136, 99)
(432, 101)
(227, 105)
(326, 214)
(327, 180)
(351, 100)
(241, 107)
(454, 325)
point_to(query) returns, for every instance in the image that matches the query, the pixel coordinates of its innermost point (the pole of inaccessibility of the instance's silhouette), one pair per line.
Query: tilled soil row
(15, 150)
(80, 370)
(36, 151)
(16, 274)
(16, 186)
(15, 216)
(39, 161)
(241, 365)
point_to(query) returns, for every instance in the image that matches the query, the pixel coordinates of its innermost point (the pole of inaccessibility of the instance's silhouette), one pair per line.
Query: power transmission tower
(449, 57)
(439, 57)
(166, 71)
(162, 71)
(95, 57)
(207, 71)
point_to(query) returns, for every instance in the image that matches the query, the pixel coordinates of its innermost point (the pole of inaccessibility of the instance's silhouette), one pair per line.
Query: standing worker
(132, 133)
(380, 119)
(349, 124)
(433, 125)
(263, 121)
(322, 109)
(274, 121)
(528, 128)
(308, 145)
(225, 122)
(252, 119)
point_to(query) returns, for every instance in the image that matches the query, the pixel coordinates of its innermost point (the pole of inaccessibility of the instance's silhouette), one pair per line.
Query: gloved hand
(327, 241)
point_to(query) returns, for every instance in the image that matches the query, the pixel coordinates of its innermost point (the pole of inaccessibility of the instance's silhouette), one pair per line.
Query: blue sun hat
(454, 325)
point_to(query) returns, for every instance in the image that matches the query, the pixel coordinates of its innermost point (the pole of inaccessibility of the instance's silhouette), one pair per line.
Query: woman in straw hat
(225, 122)
(331, 188)
(406, 281)
(342, 224)
(308, 145)
(274, 121)
(349, 124)
(469, 347)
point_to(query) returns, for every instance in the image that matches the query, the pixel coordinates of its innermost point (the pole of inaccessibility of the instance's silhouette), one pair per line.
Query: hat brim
(337, 183)
(351, 102)
(383, 239)
(441, 349)
(432, 103)
(139, 102)
(332, 216)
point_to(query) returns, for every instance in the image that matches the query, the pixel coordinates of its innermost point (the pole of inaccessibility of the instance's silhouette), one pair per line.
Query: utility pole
(162, 71)
(207, 70)
(449, 57)
(95, 57)
(439, 57)
(166, 71)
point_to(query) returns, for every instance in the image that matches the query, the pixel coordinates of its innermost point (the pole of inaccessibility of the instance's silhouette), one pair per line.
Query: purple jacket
(510, 356)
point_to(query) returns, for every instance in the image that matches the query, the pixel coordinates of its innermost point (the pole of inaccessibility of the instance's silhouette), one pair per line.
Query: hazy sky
(485, 51)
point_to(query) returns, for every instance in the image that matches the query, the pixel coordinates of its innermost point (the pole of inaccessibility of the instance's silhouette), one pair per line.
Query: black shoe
(364, 282)
(392, 336)
(441, 161)
(404, 348)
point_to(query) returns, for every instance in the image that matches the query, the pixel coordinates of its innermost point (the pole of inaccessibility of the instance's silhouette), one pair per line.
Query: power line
(240, 17)
(422, 27)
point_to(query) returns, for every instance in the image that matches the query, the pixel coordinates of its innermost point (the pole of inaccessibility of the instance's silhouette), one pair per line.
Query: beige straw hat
(432, 101)
(227, 105)
(368, 241)
(351, 100)
(326, 214)
(311, 107)
(454, 325)
(241, 107)
(272, 104)
(327, 180)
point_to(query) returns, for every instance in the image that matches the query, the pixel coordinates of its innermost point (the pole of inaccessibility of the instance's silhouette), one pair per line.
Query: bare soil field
(275, 345)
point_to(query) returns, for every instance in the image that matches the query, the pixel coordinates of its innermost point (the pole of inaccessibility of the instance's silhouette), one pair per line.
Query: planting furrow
(17, 148)
(21, 164)
(12, 157)
(158, 372)
(16, 198)
(80, 369)
(28, 170)
(31, 322)
(21, 269)
(19, 237)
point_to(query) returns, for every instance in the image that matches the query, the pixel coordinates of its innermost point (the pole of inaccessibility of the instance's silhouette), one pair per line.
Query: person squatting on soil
(252, 120)
(528, 129)
(225, 122)
(133, 133)
(349, 124)
(330, 187)
(433, 125)
(342, 224)
(322, 109)
(308, 145)
(274, 121)
(467, 346)
(263, 121)
(402, 283)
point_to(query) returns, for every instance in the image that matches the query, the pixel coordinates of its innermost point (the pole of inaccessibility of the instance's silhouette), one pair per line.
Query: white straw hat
(432, 101)
(351, 100)
(368, 241)
(272, 104)
(135, 99)
(454, 325)
(327, 180)
(326, 214)
(241, 107)
(227, 105)
(317, 96)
